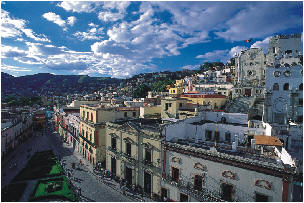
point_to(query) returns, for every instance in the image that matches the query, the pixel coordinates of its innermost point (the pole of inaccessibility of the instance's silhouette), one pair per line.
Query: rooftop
(267, 140)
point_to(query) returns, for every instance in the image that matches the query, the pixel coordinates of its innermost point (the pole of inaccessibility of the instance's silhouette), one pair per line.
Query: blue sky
(121, 39)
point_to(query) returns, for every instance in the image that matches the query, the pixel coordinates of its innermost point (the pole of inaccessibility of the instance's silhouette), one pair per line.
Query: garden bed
(53, 188)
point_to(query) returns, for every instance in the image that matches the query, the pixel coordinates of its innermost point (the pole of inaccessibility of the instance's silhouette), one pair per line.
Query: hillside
(43, 83)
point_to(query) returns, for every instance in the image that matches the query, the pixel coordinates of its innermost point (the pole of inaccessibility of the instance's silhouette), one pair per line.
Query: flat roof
(267, 140)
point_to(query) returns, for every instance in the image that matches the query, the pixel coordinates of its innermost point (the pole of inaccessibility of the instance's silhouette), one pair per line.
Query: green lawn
(64, 190)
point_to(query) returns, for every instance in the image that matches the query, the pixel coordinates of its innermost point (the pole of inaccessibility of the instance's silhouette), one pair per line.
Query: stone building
(133, 152)
(250, 73)
(284, 46)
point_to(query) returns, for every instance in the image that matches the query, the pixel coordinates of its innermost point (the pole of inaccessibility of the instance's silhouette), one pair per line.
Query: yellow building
(215, 100)
(92, 136)
(134, 152)
(178, 89)
(175, 91)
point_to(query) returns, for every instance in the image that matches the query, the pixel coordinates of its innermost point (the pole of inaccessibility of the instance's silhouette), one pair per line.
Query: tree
(160, 86)
(141, 91)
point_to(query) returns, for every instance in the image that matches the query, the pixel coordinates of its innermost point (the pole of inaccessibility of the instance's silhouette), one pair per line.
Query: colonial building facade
(134, 152)
(198, 174)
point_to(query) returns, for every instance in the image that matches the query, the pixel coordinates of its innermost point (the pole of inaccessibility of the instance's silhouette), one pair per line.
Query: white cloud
(71, 20)
(216, 55)
(90, 34)
(14, 68)
(53, 17)
(236, 50)
(78, 6)
(50, 16)
(190, 67)
(262, 44)
(16, 28)
(92, 25)
(109, 16)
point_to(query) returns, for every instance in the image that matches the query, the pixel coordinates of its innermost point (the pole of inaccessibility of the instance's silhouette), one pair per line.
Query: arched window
(286, 86)
(276, 86)
(301, 86)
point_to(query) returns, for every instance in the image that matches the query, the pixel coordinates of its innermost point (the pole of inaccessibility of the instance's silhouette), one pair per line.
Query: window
(180, 105)
(90, 137)
(168, 105)
(113, 143)
(288, 51)
(276, 73)
(126, 114)
(273, 49)
(276, 86)
(86, 135)
(87, 115)
(217, 136)
(92, 117)
(300, 101)
(227, 136)
(198, 182)
(175, 174)
(83, 115)
(148, 155)
(286, 86)
(301, 86)
(208, 135)
(287, 73)
(134, 114)
(128, 148)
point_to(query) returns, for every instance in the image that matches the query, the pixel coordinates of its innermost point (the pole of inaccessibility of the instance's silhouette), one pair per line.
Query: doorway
(227, 192)
(164, 193)
(147, 182)
(261, 198)
(128, 176)
(113, 166)
(183, 197)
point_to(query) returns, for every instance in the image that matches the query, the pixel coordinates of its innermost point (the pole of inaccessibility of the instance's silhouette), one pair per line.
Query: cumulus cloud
(53, 17)
(16, 28)
(78, 6)
(236, 50)
(94, 33)
(262, 44)
(71, 20)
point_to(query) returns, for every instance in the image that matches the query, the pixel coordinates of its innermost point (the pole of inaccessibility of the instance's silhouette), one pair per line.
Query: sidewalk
(107, 181)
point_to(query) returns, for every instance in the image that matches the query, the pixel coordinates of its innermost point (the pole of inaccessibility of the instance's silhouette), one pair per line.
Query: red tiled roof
(203, 96)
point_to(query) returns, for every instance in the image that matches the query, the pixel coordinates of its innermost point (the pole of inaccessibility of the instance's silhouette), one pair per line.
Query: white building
(207, 174)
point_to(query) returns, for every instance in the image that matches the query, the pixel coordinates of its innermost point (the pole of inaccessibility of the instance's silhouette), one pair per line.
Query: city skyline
(121, 39)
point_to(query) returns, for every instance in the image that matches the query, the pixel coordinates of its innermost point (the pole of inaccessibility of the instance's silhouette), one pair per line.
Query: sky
(122, 38)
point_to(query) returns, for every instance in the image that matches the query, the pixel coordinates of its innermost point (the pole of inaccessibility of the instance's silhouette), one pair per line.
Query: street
(92, 189)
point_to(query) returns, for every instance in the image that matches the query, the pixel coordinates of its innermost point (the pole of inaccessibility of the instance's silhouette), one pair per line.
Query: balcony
(89, 142)
(203, 195)
(129, 157)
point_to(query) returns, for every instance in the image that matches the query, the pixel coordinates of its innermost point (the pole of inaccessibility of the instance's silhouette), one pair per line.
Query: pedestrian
(165, 199)
(79, 191)
(120, 183)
